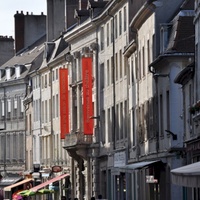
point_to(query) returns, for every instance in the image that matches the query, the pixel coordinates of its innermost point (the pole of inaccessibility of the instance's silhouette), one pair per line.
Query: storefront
(188, 176)
(142, 180)
(17, 187)
(46, 188)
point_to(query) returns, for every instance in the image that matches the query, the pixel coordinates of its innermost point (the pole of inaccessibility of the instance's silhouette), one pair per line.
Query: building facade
(120, 124)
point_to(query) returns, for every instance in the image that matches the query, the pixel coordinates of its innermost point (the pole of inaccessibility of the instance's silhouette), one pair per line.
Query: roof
(182, 34)
(30, 59)
(59, 48)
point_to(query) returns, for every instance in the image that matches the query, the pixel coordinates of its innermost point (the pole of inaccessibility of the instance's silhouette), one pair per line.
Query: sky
(8, 9)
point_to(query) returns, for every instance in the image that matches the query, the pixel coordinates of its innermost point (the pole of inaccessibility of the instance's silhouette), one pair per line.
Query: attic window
(18, 71)
(1, 74)
(8, 73)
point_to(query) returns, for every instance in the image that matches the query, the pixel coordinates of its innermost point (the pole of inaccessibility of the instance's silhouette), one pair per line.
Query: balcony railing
(74, 139)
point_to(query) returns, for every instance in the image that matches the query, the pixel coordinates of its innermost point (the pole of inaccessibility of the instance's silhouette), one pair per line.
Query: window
(111, 67)
(139, 67)
(148, 53)
(102, 39)
(120, 64)
(102, 75)
(125, 66)
(116, 31)
(161, 114)
(2, 109)
(18, 71)
(45, 80)
(120, 22)
(116, 66)
(56, 74)
(8, 108)
(109, 122)
(42, 112)
(57, 106)
(136, 68)
(117, 122)
(46, 111)
(121, 122)
(125, 120)
(8, 73)
(108, 34)
(133, 69)
(143, 61)
(53, 107)
(15, 108)
(112, 31)
(125, 19)
(50, 109)
(108, 73)
(53, 75)
(168, 110)
(21, 107)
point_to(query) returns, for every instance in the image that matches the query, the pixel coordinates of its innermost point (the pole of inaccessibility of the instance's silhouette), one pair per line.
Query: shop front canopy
(188, 175)
(42, 185)
(9, 181)
(9, 188)
(139, 165)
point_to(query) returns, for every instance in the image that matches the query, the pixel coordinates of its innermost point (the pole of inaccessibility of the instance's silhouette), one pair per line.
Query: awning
(188, 176)
(8, 188)
(9, 181)
(139, 165)
(42, 185)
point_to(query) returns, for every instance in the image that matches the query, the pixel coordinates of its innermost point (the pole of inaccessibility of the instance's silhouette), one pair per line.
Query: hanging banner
(64, 103)
(87, 95)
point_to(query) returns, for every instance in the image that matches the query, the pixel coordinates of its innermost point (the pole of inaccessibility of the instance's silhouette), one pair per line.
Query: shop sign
(56, 169)
(150, 179)
(120, 159)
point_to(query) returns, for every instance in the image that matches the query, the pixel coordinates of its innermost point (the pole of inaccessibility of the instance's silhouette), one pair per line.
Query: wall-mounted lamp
(174, 136)
(94, 46)
(68, 57)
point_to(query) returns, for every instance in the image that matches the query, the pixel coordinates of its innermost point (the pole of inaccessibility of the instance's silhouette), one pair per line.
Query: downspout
(152, 70)
(50, 110)
(113, 77)
(26, 108)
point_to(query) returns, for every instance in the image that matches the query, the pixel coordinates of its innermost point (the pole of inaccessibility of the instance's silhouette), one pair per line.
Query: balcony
(77, 139)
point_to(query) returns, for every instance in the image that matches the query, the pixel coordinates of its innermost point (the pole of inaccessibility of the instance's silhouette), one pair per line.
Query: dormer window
(8, 73)
(2, 73)
(18, 69)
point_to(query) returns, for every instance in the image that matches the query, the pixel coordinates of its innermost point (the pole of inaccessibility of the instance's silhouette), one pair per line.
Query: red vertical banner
(87, 95)
(64, 103)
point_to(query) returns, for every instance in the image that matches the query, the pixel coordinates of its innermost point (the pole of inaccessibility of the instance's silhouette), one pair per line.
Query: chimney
(19, 31)
(83, 4)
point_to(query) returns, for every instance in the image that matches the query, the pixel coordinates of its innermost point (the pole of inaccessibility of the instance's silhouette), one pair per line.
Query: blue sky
(8, 9)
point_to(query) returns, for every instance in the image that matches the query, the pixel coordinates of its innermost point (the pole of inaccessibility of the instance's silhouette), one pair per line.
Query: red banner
(64, 103)
(87, 95)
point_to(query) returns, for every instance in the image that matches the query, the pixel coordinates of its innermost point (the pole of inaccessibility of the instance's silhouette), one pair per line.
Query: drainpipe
(153, 71)
(50, 110)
